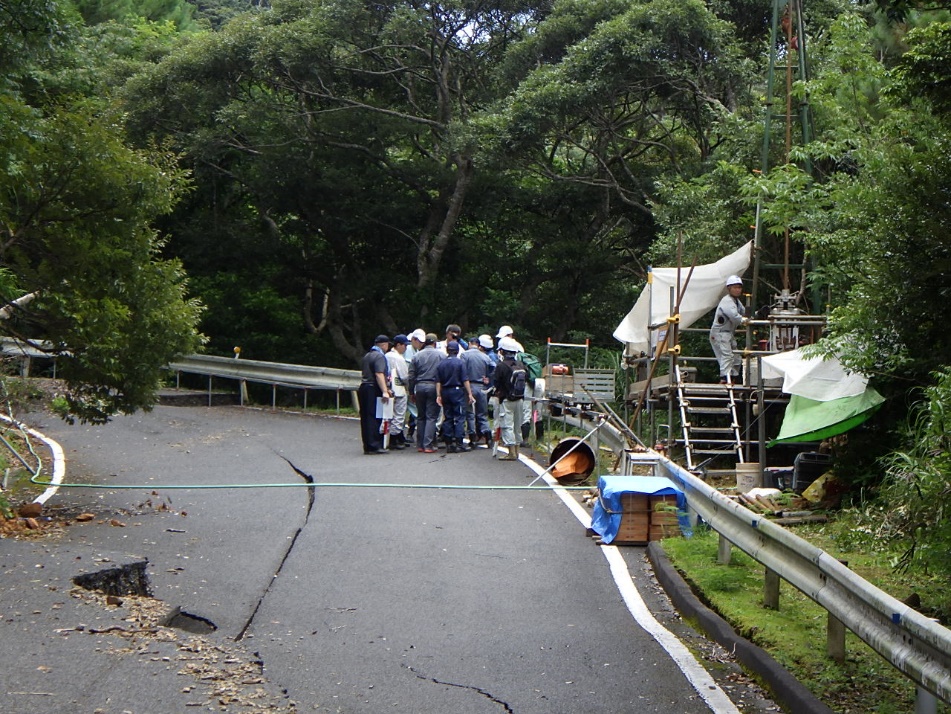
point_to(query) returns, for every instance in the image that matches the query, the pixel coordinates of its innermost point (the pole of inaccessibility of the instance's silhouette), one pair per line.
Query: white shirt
(399, 372)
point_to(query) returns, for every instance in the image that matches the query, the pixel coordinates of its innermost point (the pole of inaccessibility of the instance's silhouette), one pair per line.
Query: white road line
(709, 691)
(59, 460)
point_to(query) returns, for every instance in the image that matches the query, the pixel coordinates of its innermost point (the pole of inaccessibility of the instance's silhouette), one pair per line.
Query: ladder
(709, 422)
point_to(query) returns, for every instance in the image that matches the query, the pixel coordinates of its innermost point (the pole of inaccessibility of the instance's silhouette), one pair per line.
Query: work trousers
(370, 431)
(427, 412)
(723, 344)
(399, 415)
(510, 418)
(477, 415)
(453, 409)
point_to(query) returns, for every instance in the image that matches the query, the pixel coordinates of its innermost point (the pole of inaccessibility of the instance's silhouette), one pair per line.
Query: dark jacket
(503, 374)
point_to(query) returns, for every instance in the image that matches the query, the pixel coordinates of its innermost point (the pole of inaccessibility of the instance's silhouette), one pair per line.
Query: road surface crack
(311, 498)
(478, 690)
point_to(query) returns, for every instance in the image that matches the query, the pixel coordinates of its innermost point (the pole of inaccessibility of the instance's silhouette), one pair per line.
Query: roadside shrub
(917, 486)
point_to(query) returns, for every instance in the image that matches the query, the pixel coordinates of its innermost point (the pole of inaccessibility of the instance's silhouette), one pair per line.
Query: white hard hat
(507, 344)
(418, 334)
(505, 331)
(486, 341)
(734, 280)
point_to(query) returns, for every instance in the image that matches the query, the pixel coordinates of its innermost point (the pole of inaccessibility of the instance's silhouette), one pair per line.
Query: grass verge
(795, 635)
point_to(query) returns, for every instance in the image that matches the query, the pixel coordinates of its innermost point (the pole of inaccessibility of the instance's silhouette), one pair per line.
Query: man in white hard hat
(511, 395)
(417, 338)
(507, 331)
(525, 428)
(729, 315)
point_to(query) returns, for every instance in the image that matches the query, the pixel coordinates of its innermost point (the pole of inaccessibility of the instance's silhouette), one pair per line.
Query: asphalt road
(347, 598)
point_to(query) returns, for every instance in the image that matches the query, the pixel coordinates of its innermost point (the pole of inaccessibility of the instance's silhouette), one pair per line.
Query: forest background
(296, 176)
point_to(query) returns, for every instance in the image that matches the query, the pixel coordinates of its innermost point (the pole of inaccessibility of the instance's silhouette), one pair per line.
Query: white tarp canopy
(702, 294)
(821, 380)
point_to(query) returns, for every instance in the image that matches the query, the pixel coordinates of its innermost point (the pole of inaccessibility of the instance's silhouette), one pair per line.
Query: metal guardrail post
(925, 702)
(835, 639)
(724, 551)
(771, 590)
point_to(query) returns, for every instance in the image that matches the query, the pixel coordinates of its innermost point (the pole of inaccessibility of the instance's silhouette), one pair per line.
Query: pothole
(129, 579)
(181, 620)
(132, 579)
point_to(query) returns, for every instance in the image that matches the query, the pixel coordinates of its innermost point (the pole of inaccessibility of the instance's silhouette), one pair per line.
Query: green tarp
(809, 420)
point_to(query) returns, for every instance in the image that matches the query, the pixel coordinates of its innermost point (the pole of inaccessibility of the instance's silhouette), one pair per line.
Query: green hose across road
(302, 484)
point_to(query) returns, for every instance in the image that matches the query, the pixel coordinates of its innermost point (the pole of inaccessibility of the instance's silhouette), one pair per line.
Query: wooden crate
(635, 502)
(635, 518)
(634, 528)
(645, 518)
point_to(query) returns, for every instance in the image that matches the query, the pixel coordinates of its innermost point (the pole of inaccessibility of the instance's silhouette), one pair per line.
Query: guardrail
(26, 353)
(916, 645)
(274, 373)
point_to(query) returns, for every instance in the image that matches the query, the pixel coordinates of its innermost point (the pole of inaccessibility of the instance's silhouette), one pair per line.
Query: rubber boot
(512, 455)
(487, 435)
(526, 430)
(450, 446)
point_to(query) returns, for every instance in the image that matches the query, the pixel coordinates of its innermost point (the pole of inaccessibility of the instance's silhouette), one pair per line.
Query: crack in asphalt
(478, 690)
(311, 499)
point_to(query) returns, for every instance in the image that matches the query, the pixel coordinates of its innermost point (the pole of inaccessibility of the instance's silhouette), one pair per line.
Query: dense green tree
(879, 207)
(343, 126)
(76, 207)
(609, 102)
(179, 13)
(638, 96)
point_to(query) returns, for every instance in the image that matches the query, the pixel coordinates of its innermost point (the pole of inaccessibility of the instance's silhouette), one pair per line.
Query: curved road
(372, 599)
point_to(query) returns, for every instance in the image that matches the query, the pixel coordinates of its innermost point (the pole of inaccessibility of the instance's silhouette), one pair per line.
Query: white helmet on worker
(505, 331)
(507, 344)
(734, 280)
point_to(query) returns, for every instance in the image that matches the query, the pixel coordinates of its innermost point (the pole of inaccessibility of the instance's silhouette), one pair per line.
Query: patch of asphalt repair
(469, 687)
(311, 499)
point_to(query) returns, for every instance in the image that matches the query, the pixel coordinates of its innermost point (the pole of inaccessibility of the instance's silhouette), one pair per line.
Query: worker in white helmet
(510, 380)
(729, 315)
(525, 428)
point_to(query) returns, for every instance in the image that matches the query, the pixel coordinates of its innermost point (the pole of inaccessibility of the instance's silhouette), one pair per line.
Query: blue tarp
(605, 523)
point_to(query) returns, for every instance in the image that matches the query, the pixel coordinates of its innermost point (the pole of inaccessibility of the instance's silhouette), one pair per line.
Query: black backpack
(517, 381)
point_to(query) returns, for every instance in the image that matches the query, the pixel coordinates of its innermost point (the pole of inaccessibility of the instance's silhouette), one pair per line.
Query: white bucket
(748, 476)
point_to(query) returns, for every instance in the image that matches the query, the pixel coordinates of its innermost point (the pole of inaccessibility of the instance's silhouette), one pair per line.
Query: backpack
(517, 380)
(532, 365)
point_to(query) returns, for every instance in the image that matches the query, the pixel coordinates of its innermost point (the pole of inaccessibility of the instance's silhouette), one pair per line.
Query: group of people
(440, 390)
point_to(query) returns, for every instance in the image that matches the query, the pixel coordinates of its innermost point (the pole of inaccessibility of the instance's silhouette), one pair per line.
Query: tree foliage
(76, 213)
(342, 127)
